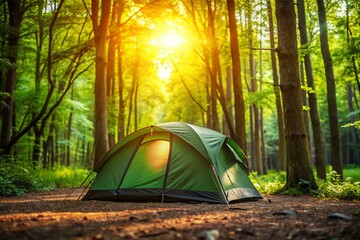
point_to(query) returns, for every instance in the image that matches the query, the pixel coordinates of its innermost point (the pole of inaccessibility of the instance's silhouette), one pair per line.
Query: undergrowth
(65, 177)
(332, 187)
(17, 178)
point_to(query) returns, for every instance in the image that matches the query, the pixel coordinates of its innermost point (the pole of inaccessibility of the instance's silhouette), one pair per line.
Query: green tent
(173, 162)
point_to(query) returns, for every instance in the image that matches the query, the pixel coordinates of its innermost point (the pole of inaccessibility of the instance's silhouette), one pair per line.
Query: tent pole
(248, 168)
(87, 186)
(79, 186)
(221, 186)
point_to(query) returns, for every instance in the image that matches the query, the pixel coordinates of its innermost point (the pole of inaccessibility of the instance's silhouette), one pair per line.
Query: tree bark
(239, 105)
(215, 66)
(279, 107)
(101, 34)
(110, 75)
(68, 133)
(256, 155)
(314, 114)
(298, 167)
(336, 160)
(121, 115)
(16, 12)
(349, 35)
(354, 149)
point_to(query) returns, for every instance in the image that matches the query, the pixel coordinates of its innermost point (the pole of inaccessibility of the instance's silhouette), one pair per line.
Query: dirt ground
(48, 216)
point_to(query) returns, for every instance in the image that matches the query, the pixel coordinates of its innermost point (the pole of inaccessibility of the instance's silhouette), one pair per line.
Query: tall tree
(350, 41)
(239, 104)
(100, 28)
(354, 152)
(314, 115)
(120, 5)
(336, 160)
(16, 10)
(297, 160)
(254, 110)
(279, 107)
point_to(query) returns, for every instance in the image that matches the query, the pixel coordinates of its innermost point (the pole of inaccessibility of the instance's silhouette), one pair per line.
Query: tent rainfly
(173, 162)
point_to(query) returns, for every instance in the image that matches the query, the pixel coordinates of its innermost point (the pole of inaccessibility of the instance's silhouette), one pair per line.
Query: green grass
(65, 177)
(352, 173)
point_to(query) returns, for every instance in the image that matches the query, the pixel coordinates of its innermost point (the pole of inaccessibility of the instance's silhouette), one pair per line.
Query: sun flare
(170, 39)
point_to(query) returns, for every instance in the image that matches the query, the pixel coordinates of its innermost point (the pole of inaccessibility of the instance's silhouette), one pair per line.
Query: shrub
(17, 178)
(335, 188)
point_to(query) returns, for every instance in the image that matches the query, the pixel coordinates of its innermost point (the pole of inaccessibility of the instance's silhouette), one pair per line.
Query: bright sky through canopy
(169, 40)
(167, 43)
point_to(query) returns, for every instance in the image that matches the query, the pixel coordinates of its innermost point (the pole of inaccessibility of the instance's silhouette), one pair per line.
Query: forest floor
(47, 215)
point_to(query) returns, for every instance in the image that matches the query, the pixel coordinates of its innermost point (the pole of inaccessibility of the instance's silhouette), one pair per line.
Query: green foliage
(303, 187)
(271, 182)
(17, 178)
(65, 177)
(355, 124)
(352, 172)
(333, 187)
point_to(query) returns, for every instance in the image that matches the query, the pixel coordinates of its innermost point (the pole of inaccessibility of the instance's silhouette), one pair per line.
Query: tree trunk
(110, 76)
(305, 112)
(228, 97)
(136, 106)
(132, 97)
(336, 160)
(349, 34)
(121, 115)
(314, 114)
(43, 114)
(68, 138)
(101, 34)
(297, 160)
(254, 163)
(208, 100)
(16, 12)
(36, 150)
(215, 66)
(256, 156)
(354, 147)
(76, 150)
(263, 148)
(239, 105)
(279, 107)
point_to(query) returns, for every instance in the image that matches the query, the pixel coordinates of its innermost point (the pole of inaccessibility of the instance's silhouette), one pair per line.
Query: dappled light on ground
(48, 216)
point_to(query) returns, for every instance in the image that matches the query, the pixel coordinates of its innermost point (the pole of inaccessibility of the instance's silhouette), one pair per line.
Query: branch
(34, 121)
(188, 90)
(70, 83)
